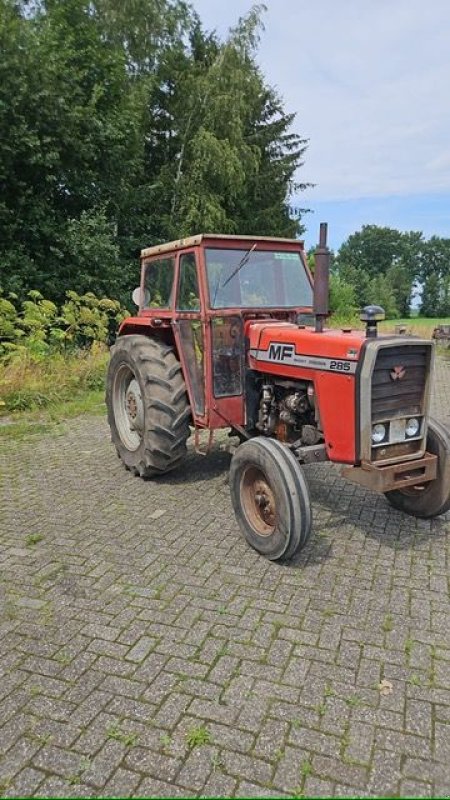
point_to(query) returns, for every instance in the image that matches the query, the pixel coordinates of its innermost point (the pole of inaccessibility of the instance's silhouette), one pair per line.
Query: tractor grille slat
(403, 397)
(413, 376)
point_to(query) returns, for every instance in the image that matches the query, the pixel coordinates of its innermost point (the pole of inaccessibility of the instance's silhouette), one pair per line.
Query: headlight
(378, 433)
(412, 427)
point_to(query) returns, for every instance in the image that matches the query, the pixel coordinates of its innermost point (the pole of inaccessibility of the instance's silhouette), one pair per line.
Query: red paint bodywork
(335, 393)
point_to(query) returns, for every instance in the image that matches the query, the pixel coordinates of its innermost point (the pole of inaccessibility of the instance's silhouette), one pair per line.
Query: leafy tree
(70, 132)
(435, 276)
(93, 254)
(372, 250)
(123, 124)
(226, 159)
(374, 253)
(399, 282)
(342, 297)
(435, 257)
(382, 293)
(142, 29)
(431, 296)
(358, 279)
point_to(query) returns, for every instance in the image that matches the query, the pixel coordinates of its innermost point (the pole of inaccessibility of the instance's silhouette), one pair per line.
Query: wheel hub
(128, 407)
(259, 501)
(133, 406)
(264, 503)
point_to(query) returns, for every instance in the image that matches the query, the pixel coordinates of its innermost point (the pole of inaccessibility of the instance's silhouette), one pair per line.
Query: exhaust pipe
(321, 279)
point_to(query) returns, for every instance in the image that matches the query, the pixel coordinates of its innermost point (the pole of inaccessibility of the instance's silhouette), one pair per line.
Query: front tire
(148, 409)
(270, 498)
(433, 498)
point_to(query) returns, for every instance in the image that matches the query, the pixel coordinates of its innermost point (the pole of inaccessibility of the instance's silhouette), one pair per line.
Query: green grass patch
(114, 731)
(409, 643)
(305, 768)
(320, 709)
(197, 736)
(354, 701)
(63, 658)
(388, 623)
(76, 778)
(5, 783)
(419, 326)
(48, 383)
(22, 425)
(33, 538)
(165, 740)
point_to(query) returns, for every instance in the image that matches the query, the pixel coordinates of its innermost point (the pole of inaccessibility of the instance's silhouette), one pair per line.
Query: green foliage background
(123, 124)
(388, 267)
(50, 353)
(35, 328)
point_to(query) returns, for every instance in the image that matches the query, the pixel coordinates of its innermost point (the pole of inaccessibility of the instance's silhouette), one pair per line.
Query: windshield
(266, 278)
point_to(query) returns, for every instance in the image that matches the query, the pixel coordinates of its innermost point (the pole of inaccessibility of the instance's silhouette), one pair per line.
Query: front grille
(399, 398)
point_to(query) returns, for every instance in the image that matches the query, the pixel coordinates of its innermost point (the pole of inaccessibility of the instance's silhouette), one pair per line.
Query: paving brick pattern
(146, 650)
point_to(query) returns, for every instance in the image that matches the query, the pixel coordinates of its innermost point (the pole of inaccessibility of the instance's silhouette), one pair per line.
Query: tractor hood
(290, 345)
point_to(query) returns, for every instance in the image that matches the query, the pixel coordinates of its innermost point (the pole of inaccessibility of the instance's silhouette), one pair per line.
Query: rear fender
(165, 333)
(146, 327)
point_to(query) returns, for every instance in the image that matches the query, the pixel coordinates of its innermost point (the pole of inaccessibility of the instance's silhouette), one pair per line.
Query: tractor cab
(198, 292)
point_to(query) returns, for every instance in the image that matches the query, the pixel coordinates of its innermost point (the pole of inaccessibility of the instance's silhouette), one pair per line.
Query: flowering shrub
(50, 354)
(36, 328)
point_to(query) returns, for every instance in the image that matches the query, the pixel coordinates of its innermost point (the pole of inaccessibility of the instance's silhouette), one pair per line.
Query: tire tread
(167, 410)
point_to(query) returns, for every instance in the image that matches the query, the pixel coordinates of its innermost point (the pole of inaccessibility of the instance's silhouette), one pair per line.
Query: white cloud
(370, 82)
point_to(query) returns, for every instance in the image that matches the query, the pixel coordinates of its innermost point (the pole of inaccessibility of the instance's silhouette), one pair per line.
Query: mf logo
(279, 352)
(397, 373)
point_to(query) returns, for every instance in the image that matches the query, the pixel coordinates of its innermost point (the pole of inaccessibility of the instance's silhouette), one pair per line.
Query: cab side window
(158, 283)
(188, 294)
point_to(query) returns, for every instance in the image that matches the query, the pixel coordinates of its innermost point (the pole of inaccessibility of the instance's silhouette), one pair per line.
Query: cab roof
(192, 241)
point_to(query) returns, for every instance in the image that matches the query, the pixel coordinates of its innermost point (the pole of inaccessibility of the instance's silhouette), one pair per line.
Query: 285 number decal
(340, 366)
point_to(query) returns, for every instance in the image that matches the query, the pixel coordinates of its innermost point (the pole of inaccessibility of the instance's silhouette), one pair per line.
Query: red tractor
(230, 334)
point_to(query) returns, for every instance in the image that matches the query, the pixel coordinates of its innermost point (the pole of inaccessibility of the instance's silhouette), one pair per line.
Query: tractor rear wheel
(430, 499)
(270, 498)
(148, 409)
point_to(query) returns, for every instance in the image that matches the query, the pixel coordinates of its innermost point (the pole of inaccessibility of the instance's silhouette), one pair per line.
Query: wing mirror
(140, 299)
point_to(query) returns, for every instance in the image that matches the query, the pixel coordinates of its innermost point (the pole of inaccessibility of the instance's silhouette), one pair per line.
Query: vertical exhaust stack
(321, 278)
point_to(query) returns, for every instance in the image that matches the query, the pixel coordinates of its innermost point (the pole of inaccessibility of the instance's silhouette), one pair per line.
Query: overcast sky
(370, 83)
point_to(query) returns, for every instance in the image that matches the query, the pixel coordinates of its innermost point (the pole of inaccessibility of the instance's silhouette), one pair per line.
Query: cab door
(189, 331)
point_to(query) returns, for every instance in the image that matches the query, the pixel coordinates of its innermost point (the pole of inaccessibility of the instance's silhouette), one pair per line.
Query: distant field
(422, 326)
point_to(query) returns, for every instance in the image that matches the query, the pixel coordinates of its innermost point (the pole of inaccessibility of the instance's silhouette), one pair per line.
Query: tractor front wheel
(270, 498)
(433, 498)
(148, 409)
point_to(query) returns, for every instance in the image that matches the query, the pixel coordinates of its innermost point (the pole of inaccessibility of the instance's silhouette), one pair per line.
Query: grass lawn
(22, 424)
(36, 397)
(421, 326)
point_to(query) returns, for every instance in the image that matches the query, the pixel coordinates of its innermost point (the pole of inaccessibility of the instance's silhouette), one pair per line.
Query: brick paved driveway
(145, 650)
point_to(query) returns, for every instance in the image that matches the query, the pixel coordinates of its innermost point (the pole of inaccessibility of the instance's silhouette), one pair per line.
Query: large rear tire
(270, 498)
(433, 498)
(148, 409)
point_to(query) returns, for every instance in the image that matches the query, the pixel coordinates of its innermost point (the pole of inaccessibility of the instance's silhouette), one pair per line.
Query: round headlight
(412, 427)
(378, 433)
